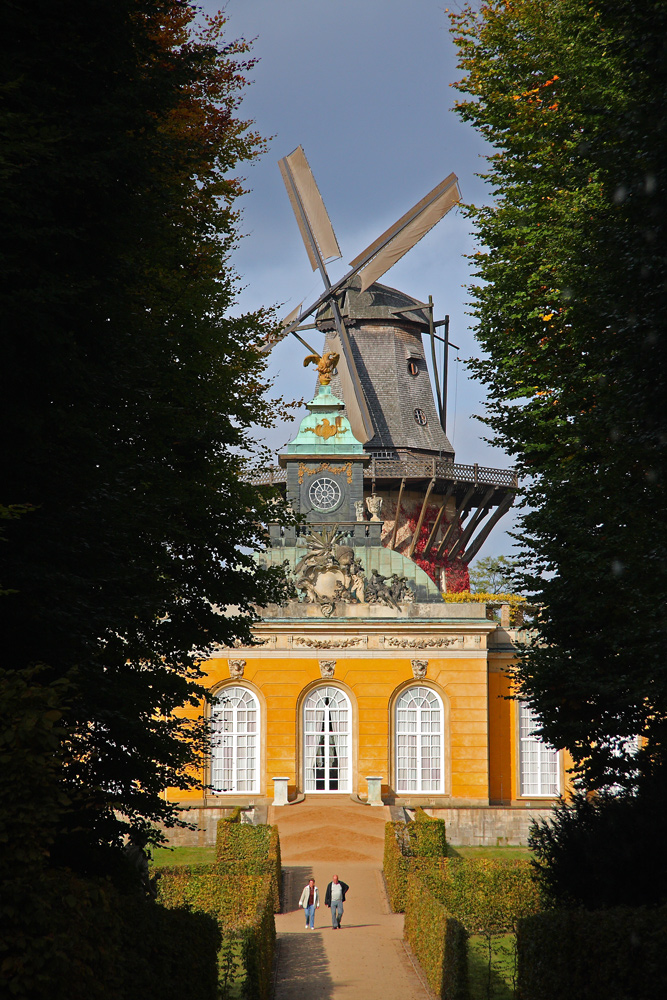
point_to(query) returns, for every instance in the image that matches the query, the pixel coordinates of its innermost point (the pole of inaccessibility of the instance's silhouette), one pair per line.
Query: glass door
(326, 732)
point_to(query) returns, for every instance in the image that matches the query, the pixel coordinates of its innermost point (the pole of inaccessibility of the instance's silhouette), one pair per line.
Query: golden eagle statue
(326, 364)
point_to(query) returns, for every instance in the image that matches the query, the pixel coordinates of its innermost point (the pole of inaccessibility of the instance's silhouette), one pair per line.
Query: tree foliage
(128, 386)
(492, 575)
(601, 851)
(570, 312)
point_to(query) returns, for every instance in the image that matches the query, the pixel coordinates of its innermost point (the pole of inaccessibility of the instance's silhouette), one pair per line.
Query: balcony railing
(427, 468)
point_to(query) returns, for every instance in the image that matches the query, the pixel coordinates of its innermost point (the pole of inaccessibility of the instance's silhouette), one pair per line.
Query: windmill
(322, 247)
(434, 512)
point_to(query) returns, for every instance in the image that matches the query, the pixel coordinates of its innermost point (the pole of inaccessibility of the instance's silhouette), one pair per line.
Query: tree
(570, 312)
(599, 851)
(128, 388)
(492, 575)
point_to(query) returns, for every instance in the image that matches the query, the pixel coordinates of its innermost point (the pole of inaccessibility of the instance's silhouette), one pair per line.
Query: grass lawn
(183, 855)
(501, 986)
(489, 852)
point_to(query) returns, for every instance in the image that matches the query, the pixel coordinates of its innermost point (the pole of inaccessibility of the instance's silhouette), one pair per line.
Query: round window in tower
(420, 417)
(324, 494)
(413, 366)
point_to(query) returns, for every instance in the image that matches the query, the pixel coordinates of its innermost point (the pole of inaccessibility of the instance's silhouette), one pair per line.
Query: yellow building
(367, 683)
(420, 702)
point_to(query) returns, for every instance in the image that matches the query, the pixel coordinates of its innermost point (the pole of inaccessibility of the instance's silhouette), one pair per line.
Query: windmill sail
(320, 242)
(356, 406)
(301, 187)
(387, 249)
(291, 317)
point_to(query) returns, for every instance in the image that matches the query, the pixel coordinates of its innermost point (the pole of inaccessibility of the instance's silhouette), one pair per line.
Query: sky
(365, 86)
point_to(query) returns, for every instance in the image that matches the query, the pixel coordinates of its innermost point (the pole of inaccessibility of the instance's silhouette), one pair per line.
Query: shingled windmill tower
(433, 510)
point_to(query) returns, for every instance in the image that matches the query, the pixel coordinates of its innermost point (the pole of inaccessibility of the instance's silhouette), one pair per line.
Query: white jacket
(305, 896)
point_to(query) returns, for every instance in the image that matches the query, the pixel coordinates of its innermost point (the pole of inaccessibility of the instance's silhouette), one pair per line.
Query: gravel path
(366, 958)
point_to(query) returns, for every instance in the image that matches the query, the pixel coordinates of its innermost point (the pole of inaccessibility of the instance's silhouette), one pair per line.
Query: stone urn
(374, 504)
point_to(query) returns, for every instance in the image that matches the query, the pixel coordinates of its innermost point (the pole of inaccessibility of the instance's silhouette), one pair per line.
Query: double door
(326, 733)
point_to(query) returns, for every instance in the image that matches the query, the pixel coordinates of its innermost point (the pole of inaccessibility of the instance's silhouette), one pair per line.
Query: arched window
(235, 741)
(326, 741)
(419, 741)
(538, 763)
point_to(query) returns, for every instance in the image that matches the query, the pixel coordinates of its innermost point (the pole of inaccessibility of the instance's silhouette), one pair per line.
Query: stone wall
(494, 826)
(206, 822)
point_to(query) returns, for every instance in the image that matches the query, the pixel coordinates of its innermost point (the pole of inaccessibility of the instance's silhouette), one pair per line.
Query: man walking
(310, 900)
(335, 897)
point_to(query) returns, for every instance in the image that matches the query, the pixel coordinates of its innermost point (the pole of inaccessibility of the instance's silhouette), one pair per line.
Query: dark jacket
(327, 898)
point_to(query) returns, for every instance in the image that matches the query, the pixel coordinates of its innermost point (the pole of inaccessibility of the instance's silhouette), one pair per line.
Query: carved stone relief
(419, 643)
(327, 668)
(419, 669)
(307, 642)
(236, 668)
(269, 640)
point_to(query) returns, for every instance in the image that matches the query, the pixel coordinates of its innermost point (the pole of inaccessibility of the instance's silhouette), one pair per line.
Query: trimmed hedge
(444, 897)
(254, 849)
(427, 837)
(616, 954)
(438, 940)
(422, 838)
(258, 945)
(396, 866)
(68, 938)
(241, 889)
(488, 896)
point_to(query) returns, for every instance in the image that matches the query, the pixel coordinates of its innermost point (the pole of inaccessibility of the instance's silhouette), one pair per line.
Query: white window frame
(310, 730)
(537, 760)
(405, 738)
(243, 741)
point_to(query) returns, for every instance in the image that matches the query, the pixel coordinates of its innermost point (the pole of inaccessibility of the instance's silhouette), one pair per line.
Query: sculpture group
(330, 573)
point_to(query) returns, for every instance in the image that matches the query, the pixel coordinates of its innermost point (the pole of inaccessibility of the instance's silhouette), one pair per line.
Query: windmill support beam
(392, 543)
(475, 520)
(436, 525)
(476, 545)
(462, 508)
(415, 537)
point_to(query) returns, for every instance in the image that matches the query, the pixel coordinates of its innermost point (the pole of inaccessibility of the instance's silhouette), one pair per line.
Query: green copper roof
(325, 430)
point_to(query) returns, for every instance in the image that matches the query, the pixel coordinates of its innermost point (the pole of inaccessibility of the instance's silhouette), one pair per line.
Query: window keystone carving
(419, 669)
(327, 668)
(236, 668)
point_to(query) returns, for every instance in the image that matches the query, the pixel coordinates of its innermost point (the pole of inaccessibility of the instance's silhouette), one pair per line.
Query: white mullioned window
(419, 741)
(539, 770)
(235, 741)
(326, 734)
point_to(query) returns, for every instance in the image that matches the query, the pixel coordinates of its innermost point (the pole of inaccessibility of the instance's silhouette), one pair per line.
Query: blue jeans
(336, 913)
(310, 916)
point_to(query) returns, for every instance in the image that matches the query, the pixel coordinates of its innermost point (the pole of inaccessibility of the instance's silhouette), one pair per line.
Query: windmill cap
(378, 302)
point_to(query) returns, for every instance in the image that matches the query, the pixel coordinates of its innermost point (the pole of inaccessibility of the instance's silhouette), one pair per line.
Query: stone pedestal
(374, 790)
(280, 791)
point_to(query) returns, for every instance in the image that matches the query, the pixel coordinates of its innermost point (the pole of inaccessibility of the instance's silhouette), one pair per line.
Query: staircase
(330, 828)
